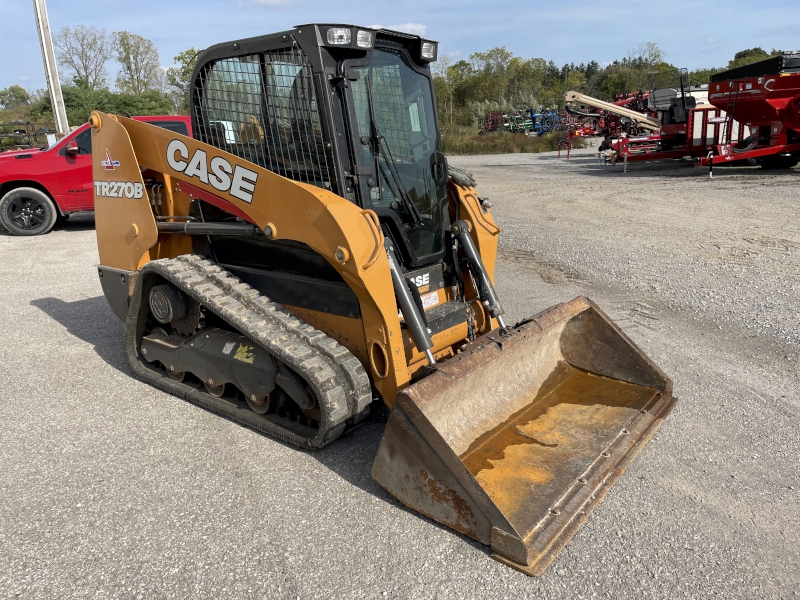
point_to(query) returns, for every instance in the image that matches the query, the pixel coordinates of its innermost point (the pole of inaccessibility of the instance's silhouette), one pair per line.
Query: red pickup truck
(39, 187)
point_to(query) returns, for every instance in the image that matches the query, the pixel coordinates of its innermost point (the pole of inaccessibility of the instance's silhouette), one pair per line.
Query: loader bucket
(514, 441)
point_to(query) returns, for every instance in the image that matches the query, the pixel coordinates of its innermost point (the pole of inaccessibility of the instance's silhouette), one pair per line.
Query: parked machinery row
(534, 121)
(747, 115)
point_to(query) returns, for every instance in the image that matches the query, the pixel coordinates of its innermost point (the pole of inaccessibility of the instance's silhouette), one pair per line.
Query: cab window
(84, 141)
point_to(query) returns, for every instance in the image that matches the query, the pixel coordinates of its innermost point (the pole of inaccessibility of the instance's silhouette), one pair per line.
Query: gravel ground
(110, 488)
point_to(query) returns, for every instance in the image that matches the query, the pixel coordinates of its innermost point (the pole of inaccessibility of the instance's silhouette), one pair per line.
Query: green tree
(592, 68)
(81, 101)
(631, 74)
(140, 70)
(83, 53)
(749, 56)
(443, 87)
(494, 65)
(14, 96)
(552, 74)
(179, 79)
(526, 79)
(701, 76)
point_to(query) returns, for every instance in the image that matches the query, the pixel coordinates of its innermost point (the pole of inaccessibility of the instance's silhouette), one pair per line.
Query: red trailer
(765, 97)
(695, 135)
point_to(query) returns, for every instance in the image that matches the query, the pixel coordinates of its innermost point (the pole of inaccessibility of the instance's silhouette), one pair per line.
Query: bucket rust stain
(464, 517)
(531, 459)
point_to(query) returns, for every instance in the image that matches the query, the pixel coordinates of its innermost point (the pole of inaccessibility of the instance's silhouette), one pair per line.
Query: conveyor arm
(637, 117)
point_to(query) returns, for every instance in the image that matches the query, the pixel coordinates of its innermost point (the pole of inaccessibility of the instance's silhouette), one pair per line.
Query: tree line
(142, 86)
(466, 89)
(498, 80)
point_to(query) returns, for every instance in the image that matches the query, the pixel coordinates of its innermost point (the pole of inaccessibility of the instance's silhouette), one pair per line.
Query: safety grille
(262, 108)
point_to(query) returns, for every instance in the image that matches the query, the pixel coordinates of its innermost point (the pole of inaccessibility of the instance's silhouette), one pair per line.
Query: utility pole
(50, 69)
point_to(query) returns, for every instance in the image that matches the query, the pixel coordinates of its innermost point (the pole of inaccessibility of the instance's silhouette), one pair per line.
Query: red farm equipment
(765, 98)
(494, 121)
(747, 115)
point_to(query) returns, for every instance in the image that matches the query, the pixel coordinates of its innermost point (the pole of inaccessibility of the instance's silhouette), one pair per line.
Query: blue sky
(693, 34)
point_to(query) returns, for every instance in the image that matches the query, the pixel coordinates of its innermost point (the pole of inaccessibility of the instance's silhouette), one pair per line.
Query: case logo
(422, 280)
(218, 173)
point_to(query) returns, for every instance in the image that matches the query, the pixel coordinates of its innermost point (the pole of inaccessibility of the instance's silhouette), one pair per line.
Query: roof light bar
(428, 50)
(365, 39)
(339, 36)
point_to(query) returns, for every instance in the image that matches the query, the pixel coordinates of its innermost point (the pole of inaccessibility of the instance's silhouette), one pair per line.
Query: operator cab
(345, 108)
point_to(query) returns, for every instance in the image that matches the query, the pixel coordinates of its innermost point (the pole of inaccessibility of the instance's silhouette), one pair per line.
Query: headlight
(428, 50)
(339, 36)
(363, 39)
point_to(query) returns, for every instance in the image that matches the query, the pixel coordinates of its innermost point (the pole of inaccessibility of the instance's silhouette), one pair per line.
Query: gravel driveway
(110, 488)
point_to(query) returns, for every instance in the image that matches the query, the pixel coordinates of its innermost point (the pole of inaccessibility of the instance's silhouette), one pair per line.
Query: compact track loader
(310, 251)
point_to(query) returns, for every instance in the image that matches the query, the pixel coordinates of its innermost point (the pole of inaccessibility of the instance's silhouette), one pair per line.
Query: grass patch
(464, 140)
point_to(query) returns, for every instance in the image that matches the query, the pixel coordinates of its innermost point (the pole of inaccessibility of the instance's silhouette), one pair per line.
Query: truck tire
(27, 211)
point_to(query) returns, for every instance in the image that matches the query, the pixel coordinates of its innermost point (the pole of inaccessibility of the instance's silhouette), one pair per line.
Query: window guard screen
(262, 107)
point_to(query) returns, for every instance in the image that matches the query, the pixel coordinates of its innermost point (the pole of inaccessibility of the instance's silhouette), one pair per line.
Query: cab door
(75, 174)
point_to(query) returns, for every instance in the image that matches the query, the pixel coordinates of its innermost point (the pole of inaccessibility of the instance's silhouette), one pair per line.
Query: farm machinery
(545, 121)
(746, 114)
(765, 96)
(613, 118)
(536, 122)
(495, 120)
(498, 120)
(672, 120)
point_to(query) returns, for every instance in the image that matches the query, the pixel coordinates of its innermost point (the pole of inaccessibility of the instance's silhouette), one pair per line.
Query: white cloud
(412, 28)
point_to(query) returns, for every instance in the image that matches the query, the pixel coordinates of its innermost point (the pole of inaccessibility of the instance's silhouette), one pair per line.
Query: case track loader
(310, 251)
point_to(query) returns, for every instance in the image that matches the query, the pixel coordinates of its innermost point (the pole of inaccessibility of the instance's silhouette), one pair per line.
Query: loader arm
(128, 236)
(637, 117)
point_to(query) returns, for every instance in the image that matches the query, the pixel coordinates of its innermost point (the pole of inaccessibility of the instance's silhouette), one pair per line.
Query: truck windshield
(403, 105)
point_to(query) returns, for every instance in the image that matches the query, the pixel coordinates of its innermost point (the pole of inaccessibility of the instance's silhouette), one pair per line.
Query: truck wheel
(27, 211)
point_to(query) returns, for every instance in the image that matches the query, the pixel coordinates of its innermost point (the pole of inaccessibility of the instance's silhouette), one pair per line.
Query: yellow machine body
(127, 238)
(510, 435)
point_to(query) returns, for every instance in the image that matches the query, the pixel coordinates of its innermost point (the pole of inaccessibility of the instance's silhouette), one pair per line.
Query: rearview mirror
(72, 148)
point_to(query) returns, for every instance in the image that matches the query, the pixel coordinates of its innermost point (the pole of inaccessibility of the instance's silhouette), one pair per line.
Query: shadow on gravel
(350, 457)
(80, 221)
(92, 321)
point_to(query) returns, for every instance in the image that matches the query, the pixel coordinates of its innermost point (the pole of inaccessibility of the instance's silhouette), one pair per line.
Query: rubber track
(337, 377)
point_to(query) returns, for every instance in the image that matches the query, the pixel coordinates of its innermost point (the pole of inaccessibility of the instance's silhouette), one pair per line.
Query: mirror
(72, 148)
